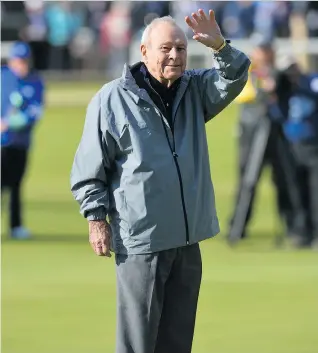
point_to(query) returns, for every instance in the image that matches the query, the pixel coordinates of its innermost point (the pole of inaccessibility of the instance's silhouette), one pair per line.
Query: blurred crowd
(63, 34)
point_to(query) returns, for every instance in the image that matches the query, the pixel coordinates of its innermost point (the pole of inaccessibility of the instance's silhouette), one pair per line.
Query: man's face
(20, 66)
(165, 53)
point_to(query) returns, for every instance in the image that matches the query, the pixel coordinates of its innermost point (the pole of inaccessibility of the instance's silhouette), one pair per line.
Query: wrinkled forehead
(167, 33)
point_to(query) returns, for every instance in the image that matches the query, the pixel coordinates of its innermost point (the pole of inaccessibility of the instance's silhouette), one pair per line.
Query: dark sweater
(161, 95)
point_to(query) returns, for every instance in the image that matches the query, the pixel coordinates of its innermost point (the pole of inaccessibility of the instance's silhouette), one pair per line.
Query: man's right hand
(99, 237)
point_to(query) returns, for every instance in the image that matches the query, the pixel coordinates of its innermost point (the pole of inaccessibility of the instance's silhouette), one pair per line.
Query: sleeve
(36, 106)
(26, 112)
(220, 86)
(92, 164)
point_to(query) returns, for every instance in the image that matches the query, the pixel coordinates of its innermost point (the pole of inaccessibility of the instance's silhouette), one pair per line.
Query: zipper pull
(175, 155)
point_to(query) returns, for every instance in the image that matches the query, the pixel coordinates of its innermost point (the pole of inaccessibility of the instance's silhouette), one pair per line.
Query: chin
(173, 76)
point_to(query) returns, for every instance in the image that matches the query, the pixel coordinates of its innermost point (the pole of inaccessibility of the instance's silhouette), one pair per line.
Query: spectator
(36, 33)
(115, 37)
(21, 108)
(237, 18)
(298, 98)
(63, 24)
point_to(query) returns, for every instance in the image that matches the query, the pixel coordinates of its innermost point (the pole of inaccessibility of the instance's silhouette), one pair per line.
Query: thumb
(106, 250)
(200, 37)
(106, 246)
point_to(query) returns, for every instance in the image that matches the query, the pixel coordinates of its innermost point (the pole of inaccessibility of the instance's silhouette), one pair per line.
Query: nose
(173, 54)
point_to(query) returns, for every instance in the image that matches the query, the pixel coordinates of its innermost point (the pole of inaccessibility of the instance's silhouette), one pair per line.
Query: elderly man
(143, 163)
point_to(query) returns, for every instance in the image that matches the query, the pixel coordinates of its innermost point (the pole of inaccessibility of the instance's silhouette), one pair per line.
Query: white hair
(165, 19)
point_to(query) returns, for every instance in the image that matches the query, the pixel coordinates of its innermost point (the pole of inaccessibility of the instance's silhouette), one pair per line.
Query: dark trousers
(289, 211)
(13, 166)
(157, 298)
(307, 172)
(59, 58)
(40, 54)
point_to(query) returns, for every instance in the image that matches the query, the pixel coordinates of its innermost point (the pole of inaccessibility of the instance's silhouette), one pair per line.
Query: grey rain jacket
(154, 182)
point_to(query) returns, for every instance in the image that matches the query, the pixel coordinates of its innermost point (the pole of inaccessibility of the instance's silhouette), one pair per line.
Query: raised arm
(218, 86)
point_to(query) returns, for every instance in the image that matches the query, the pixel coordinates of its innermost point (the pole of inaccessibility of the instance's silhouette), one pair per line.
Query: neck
(164, 82)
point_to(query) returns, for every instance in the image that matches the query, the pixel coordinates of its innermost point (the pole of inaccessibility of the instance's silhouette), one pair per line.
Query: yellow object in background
(249, 93)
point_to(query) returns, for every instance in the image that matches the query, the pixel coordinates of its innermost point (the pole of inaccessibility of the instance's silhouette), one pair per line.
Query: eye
(165, 48)
(180, 49)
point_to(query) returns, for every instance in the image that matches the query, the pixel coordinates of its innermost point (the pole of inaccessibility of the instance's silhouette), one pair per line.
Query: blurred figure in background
(21, 108)
(238, 18)
(256, 104)
(298, 100)
(36, 32)
(270, 18)
(143, 12)
(63, 23)
(115, 37)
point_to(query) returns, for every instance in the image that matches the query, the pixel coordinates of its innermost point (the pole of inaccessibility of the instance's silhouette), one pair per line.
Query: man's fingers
(195, 18)
(212, 15)
(98, 250)
(190, 23)
(100, 238)
(106, 246)
(102, 249)
(106, 250)
(202, 15)
(199, 38)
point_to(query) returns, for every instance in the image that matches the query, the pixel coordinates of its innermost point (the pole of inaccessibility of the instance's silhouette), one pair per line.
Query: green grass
(58, 297)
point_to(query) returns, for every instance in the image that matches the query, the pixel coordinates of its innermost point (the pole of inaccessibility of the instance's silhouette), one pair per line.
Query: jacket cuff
(96, 215)
(224, 52)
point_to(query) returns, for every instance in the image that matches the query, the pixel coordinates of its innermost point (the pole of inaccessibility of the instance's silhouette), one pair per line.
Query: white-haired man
(143, 163)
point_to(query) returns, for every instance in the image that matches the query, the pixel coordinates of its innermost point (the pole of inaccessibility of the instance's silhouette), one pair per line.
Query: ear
(143, 50)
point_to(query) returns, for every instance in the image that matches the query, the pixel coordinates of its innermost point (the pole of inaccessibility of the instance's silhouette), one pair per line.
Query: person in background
(297, 95)
(36, 32)
(63, 22)
(255, 105)
(238, 18)
(115, 37)
(21, 108)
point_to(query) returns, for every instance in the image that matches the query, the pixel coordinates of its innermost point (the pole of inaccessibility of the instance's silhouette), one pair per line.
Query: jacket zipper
(175, 158)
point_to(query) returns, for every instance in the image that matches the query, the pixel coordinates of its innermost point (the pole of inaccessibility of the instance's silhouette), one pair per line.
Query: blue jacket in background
(62, 24)
(21, 106)
(302, 116)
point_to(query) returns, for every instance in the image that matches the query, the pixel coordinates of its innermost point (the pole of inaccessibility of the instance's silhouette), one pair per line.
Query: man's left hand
(205, 28)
